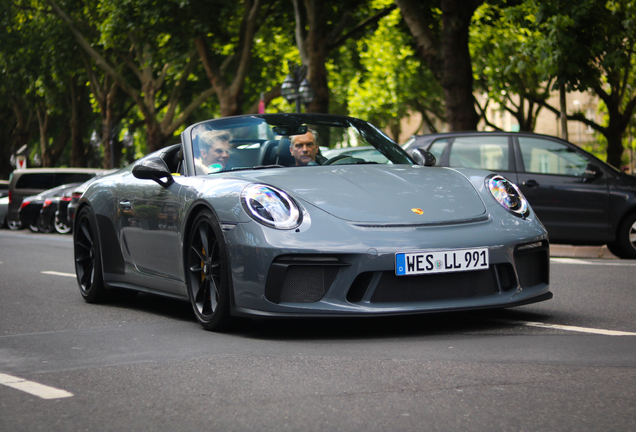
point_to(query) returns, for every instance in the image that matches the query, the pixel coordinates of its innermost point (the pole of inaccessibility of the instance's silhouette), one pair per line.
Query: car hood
(387, 194)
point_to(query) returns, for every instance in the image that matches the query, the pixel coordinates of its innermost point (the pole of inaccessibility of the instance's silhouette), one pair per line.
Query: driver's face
(217, 153)
(304, 148)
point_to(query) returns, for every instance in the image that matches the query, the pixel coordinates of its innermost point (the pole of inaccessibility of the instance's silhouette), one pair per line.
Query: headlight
(271, 206)
(508, 195)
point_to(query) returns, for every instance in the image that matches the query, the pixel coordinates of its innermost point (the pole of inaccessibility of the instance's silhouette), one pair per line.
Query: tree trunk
(457, 80)
(564, 113)
(447, 55)
(77, 145)
(313, 48)
(614, 148)
(43, 122)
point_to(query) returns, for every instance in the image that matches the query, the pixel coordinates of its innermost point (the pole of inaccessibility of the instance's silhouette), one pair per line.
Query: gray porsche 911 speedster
(245, 217)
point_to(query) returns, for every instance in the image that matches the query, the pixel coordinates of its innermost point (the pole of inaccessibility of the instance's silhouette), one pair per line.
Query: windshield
(289, 140)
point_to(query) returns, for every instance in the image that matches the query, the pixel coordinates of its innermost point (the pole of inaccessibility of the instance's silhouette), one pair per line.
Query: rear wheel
(88, 264)
(14, 225)
(625, 244)
(208, 273)
(61, 227)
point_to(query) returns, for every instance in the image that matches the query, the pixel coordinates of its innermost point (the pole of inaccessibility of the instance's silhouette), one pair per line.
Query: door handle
(531, 183)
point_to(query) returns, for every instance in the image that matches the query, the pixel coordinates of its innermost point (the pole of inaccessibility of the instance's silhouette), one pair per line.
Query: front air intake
(299, 279)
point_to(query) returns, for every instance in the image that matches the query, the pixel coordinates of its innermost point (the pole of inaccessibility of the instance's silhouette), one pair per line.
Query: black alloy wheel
(208, 273)
(88, 264)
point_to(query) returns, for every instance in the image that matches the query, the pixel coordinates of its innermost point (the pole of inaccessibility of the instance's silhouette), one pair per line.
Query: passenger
(214, 148)
(305, 149)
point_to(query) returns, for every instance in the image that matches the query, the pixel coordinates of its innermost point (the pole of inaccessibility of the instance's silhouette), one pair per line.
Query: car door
(566, 190)
(490, 152)
(150, 218)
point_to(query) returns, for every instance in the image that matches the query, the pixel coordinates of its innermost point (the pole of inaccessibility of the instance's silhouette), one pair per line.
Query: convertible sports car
(252, 234)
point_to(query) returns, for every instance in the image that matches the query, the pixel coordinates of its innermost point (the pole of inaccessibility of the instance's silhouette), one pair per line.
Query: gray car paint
(361, 214)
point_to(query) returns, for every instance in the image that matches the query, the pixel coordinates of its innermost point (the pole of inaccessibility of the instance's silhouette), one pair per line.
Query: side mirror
(153, 169)
(423, 157)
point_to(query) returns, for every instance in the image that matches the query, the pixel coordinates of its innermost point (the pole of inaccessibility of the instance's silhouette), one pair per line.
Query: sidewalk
(567, 251)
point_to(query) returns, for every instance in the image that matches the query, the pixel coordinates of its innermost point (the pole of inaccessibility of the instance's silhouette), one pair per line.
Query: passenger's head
(215, 147)
(304, 147)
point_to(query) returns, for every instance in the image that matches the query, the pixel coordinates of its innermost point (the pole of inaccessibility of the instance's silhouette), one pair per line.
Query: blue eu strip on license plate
(414, 263)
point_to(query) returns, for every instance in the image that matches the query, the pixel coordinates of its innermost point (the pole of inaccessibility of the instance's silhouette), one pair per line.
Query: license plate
(414, 263)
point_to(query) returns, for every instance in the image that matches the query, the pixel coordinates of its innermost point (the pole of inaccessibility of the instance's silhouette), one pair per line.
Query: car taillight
(10, 197)
(47, 202)
(65, 198)
(24, 204)
(77, 195)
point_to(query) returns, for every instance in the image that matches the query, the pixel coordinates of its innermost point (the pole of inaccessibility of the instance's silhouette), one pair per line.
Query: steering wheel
(338, 158)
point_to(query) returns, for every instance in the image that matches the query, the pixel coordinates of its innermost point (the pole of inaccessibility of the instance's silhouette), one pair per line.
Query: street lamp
(296, 88)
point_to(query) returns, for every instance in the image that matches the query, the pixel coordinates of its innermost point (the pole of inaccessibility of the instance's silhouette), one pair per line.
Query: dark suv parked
(579, 198)
(32, 181)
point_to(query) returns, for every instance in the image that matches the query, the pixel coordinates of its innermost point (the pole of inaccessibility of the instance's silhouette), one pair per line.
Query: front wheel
(208, 275)
(625, 244)
(33, 226)
(14, 225)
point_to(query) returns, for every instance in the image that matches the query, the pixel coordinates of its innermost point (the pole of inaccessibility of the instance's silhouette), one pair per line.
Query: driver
(214, 148)
(305, 150)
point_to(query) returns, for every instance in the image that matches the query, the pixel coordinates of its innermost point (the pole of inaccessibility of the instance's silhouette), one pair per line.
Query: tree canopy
(81, 81)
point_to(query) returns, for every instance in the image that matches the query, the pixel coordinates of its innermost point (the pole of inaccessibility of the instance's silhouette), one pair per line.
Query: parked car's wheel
(61, 228)
(88, 263)
(33, 226)
(43, 227)
(14, 225)
(625, 244)
(208, 272)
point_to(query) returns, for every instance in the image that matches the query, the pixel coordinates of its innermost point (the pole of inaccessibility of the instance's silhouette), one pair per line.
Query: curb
(567, 251)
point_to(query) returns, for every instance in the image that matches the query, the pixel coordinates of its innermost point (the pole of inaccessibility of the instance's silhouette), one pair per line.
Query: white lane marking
(54, 273)
(566, 327)
(31, 387)
(584, 262)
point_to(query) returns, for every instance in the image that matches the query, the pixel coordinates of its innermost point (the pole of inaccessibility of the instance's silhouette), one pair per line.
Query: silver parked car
(253, 234)
(4, 209)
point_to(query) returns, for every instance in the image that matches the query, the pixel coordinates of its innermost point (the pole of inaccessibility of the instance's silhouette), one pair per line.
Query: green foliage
(391, 81)
(517, 47)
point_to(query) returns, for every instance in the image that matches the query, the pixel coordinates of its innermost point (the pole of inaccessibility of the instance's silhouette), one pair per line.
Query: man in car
(305, 149)
(214, 147)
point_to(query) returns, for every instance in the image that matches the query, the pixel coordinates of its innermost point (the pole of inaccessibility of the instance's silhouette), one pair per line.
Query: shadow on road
(431, 324)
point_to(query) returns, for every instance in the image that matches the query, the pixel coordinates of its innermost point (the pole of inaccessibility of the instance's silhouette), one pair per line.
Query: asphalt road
(568, 364)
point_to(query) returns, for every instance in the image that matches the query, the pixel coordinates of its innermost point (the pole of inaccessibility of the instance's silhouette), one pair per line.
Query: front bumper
(337, 268)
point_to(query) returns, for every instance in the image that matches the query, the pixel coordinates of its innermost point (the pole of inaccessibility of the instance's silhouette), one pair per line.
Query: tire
(42, 227)
(614, 248)
(208, 276)
(61, 228)
(14, 225)
(33, 226)
(625, 244)
(88, 263)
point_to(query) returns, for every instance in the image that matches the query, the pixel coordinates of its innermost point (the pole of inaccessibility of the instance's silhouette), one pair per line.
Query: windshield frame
(369, 133)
